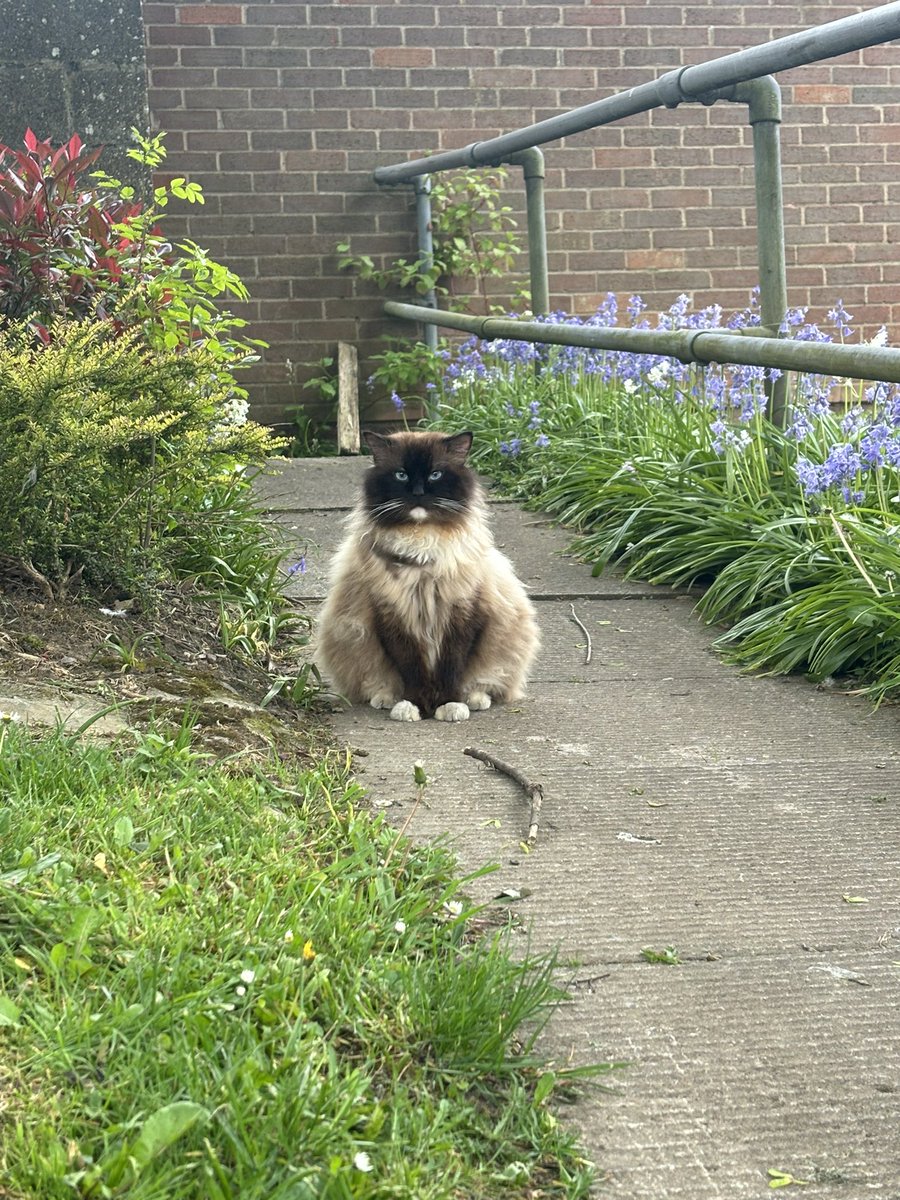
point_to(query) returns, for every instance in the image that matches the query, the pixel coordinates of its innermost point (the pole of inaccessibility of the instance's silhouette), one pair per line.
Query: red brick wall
(283, 110)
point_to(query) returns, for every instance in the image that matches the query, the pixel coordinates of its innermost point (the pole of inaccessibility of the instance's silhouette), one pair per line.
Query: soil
(118, 665)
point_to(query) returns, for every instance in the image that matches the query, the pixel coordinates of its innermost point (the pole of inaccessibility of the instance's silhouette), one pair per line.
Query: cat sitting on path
(424, 615)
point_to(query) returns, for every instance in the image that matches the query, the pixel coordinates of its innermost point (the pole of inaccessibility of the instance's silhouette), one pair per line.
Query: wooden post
(348, 400)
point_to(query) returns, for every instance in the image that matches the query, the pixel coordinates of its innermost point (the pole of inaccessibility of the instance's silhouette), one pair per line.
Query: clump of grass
(214, 984)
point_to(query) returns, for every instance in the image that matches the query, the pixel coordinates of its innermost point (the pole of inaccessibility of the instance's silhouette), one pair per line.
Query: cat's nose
(418, 489)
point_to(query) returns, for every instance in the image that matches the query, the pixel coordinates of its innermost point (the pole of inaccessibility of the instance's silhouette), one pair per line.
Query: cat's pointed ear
(457, 448)
(378, 444)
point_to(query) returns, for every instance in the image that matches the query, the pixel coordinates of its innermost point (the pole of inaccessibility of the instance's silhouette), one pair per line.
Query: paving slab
(738, 1067)
(302, 483)
(751, 823)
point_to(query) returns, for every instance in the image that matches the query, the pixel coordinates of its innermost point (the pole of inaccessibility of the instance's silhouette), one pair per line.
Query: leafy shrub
(102, 440)
(474, 240)
(80, 245)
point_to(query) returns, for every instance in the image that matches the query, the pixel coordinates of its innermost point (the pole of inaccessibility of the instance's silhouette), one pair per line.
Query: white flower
(248, 976)
(630, 387)
(234, 411)
(362, 1162)
(10, 718)
(241, 990)
(453, 908)
(658, 373)
(880, 338)
(399, 927)
(289, 935)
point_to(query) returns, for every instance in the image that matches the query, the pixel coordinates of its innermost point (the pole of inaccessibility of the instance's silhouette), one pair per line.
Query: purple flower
(542, 440)
(842, 465)
(298, 568)
(809, 476)
(635, 307)
(840, 318)
(512, 447)
(397, 402)
(801, 425)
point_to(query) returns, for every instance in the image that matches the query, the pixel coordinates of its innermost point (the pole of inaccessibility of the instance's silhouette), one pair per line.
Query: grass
(223, 981)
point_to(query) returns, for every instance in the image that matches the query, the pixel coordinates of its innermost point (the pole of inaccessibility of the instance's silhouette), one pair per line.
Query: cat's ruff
(424, 615)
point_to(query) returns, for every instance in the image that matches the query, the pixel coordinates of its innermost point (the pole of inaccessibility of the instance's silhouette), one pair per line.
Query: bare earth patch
(70, 661)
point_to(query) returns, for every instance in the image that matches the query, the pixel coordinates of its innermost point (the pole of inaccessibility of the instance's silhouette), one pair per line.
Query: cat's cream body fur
(451, 568)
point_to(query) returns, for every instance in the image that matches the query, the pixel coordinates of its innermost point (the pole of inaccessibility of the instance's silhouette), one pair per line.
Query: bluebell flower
(853, 421)
(801, 425)
(397, 402)
(809, 475)
(635, 307)
(840, 318)
(297, 568)
(512, 447)
(542, 440)
(842, 464)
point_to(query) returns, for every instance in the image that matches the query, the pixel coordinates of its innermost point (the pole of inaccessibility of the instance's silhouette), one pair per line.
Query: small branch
(30, 571)
(533, 791)
(589, 650)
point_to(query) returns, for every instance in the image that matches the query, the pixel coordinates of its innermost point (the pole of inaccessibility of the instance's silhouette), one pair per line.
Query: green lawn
(225, 981)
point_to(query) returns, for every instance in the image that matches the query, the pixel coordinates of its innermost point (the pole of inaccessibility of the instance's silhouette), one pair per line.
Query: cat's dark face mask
(418, 480)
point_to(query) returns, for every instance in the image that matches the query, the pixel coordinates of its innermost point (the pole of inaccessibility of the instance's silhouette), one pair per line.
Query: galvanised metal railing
(743, 77)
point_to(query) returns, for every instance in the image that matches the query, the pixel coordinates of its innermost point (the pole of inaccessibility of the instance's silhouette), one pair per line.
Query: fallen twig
(589, 650)
(533, 791)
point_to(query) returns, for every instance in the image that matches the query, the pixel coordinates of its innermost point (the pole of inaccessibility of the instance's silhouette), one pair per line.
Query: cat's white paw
(383, 700)
(453, 711)
(405, 710)
(478, 701)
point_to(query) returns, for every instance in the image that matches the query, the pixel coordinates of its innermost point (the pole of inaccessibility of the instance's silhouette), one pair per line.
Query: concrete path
(742, 821)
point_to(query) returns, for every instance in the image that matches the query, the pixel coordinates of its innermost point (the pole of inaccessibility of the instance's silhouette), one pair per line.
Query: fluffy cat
(424, 615)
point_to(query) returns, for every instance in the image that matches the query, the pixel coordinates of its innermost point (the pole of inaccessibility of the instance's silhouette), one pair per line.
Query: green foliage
(309, 440)
(82, 246)
(402, 368)
(204, 965)
(101, 441)
(473, 242)
(808, 583)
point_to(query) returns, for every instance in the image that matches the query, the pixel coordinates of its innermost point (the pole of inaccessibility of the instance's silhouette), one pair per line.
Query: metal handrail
(686, 83)
(744, 76)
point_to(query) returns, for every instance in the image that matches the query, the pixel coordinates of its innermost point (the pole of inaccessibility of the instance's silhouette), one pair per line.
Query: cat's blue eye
(434, 476)
(401, 475)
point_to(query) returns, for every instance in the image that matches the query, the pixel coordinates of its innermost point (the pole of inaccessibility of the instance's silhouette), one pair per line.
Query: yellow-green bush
(100, 436)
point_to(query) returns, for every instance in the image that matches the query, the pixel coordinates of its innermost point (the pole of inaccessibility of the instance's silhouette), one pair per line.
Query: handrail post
(425, 239)
(763, 98)
(532, 163)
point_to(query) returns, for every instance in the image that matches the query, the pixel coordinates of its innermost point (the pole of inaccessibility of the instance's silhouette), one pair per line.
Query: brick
(637, 260)
(210, 14)
(821, 94)
(402, 56)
